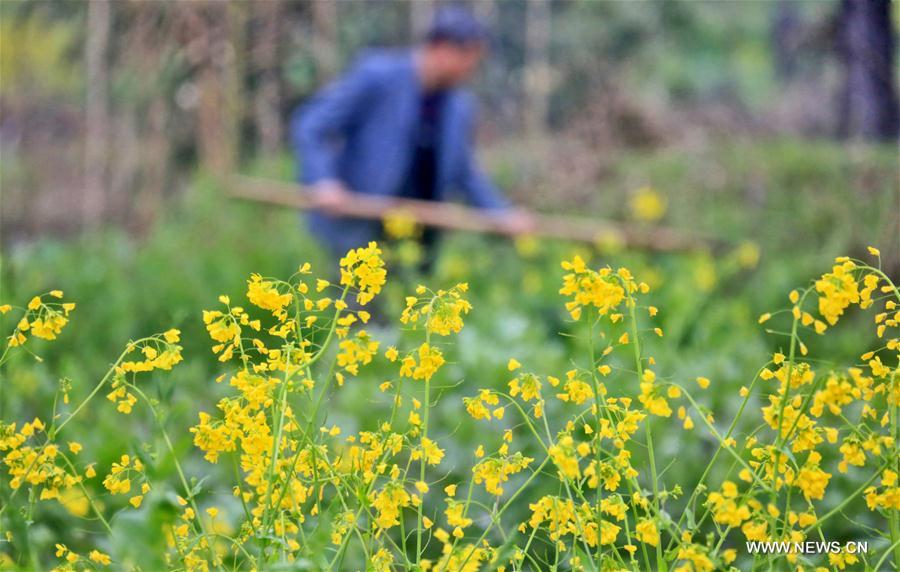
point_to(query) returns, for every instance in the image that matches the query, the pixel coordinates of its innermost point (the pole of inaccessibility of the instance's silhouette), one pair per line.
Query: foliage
(304, 488)
(35, 55)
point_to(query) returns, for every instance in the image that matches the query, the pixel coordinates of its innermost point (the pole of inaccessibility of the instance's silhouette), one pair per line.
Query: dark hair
(456, 24)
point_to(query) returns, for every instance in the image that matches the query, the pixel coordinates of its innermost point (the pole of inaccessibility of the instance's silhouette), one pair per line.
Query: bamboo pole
(451, 216)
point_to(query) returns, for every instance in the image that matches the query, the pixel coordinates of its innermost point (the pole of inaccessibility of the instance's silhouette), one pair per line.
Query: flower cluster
(160, 352)
(43, 317)
(121, 476)
(363, 269)
(35, 465)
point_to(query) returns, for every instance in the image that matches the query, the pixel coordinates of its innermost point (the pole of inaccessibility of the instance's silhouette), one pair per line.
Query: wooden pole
(452, 216)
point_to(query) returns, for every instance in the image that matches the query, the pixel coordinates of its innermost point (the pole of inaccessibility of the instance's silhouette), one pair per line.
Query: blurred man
(398, 124)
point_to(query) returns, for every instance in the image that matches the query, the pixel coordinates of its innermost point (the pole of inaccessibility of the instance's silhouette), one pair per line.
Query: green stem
(660, 563)
(279, 428)
(54, 431)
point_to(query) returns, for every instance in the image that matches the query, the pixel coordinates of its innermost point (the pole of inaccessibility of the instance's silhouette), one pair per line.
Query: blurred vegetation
(108, 108)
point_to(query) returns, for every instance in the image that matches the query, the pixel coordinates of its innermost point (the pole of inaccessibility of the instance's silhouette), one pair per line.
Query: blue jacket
(359, 130)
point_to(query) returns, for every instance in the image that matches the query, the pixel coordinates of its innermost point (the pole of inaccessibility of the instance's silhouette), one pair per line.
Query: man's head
(454, 46)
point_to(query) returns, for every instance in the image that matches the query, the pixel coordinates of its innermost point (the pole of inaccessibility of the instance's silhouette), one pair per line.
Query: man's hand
(517, 221)
(330, 196)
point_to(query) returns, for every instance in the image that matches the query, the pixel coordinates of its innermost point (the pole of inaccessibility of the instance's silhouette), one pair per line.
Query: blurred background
(109, 108)
(769, 125)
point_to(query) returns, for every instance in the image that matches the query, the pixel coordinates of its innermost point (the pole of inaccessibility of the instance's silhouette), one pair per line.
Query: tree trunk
(234, 72)
(868, 101)
(537, 68)
(97, 111)
(267, 104)
(324, 39)
(220, 83)
(210, 101)
(156, 144)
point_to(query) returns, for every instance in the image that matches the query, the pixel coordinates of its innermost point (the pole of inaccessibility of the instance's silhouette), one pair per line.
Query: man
(398, 124)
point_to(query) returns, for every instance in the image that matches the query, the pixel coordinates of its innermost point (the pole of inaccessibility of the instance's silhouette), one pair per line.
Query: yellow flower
(576, 390)
(477, 407)
(529, 386)
(429, 361)
(429, 451)
(49, 326)
(563, 456)
(837, 290)
(265, 294)
(696, 556)
(356, 351)
(601, 289)
(495, 471)
(812, 480)
(99, 557)
(363, 269)
(75, 501)
(648, 205)
(455, 514)
(444, 313)
(647, 532)
(653, 401)
(399, 224)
